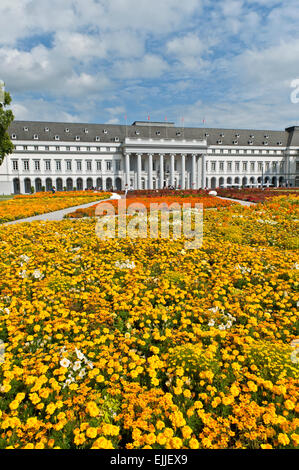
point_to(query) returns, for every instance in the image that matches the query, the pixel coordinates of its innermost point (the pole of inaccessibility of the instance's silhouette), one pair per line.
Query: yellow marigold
(193, 443)
(289, 405)
(187, 432)
(91, 433)
(102, 443)
(92, 409)
(283, 439)
(252, 386)
(110, 429)
(51, 408)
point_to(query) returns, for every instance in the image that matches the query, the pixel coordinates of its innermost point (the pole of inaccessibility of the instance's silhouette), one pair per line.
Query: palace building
(146, 155)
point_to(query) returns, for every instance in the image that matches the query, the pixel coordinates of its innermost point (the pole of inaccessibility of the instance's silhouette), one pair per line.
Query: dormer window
(250, 142)
(26, 129)
(221, 135)
(207, 135)
(35, 137)
(105, 131)
(252, 136)
(13, 136)
(158, 133)
(67, 130)
(77, 137)
(279, 143)
(137, 132)
(219, 141)
(56, 137)
(178, 133)
(47, 129)
(86, 131)
(265, 143)
(97, 138)
(116, 139)
(235, 142)
(266, 137)
(237, 135)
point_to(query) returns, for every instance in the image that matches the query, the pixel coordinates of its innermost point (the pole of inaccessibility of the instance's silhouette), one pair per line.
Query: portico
(156, 164)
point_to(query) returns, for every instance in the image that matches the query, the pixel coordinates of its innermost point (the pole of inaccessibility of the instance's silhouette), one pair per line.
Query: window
(87, 149)
(67, 130)
(229, 166)
(47, 129)
(58, 165)
(117, 165)
(37, 165)
(77, 137)
(213, 166)
(274, 166)
(267, 166)
(13, 136)
(88, 165)
(252, 166)
(105, 131)
(26, 129)
(26, 165)
(57, 149)
(79, 165)
(244, 166)
(142, 165)
(48, 165)
(35, 137)
(25, 147)
(47, 147)
(67, 149)
(221, 166)
(15, 165)
(109, 165)
(260, 166)
(97, 138)
(36, 148)
(68, 165)
(56, 137)
(86, 131)
(237, 166)
(99, 165)
(282, 167)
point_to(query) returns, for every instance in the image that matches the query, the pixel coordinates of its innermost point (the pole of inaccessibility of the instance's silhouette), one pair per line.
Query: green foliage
(6, 118)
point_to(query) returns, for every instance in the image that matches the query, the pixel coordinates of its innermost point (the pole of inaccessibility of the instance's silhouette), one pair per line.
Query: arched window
(38, 185)
(69, 184)
(59, 184)
(79, 184)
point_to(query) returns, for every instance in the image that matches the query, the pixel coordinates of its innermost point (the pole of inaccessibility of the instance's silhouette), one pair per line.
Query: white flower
(82, 373)
(23, 273)
(80, 355)
(77, 365)
(65, 362)
(211, 323)
(7, 311)
(25, 258)
(126, 265)
(37, 274)
(222, 327)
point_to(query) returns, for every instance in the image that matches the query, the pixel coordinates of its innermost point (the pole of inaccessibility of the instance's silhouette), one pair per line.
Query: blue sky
(230, 62)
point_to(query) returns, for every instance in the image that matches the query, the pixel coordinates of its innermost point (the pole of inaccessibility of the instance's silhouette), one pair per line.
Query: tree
(6, 118)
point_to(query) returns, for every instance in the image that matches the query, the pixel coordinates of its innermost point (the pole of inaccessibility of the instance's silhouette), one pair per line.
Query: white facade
(143, 162)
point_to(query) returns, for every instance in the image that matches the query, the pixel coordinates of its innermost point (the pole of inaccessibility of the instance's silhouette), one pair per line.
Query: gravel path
(57, 215)
(243, 203)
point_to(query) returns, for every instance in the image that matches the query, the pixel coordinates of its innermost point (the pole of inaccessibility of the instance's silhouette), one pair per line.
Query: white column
(139, 171)
(150, 171)
(199, 172)
(127, 156)
(183, 175)
(193, 180)
(172, 157)
(161, 171)
(203, 171)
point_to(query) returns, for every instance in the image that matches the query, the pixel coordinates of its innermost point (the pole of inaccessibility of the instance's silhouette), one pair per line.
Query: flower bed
(23, 206)
(115, 344)
(255, 195)
(206, 201)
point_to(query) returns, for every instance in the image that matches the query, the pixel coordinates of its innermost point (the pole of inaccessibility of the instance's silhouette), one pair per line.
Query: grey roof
(108, 132)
